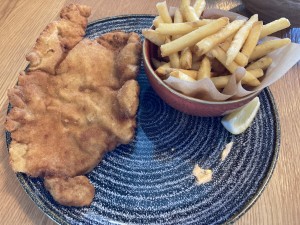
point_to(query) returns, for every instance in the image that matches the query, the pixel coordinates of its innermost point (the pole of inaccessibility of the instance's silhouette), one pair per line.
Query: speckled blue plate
(149, 181)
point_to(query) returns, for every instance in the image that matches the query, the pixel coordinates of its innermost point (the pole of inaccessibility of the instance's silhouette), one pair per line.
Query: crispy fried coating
(71, 108)
(76, 191)
(58, 38)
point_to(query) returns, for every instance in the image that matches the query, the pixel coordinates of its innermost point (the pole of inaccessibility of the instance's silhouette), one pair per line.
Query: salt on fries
(193, 46)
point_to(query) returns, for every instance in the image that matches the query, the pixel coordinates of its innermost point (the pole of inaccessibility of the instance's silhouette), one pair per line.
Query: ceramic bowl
(181, 102)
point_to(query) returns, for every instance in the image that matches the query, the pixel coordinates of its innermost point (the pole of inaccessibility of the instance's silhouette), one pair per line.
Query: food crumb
(202, 175)
(226, 151)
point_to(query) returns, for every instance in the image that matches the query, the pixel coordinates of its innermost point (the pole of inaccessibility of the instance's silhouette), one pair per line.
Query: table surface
(20, 24)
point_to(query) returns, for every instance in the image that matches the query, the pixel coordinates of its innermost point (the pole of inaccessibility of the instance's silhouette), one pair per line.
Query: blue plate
(149, 181)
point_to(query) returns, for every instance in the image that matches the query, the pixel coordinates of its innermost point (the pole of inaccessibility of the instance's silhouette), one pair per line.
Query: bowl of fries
(184, 103)
(208, 62)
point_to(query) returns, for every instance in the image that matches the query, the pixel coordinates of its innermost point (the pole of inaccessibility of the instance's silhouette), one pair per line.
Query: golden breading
(62, 123)
(58, 38)
(71, 191)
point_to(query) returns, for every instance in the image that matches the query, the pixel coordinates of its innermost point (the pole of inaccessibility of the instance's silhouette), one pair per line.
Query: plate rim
(264, 182)
(267, 178)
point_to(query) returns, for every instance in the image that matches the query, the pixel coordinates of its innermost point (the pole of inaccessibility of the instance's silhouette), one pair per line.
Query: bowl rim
(185, 97)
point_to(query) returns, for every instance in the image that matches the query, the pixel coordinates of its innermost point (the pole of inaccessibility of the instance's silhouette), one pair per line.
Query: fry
(240, 59)
(184, 4)
(182, 76)
(156, 63)
(177, 19)
(189, 14)
(181, 28)
(199, 7)
(267, 47)
(178, 16)
(157, 20)
(160, 71)
(256, 72)
(221, 81)
(191, 73)
(239, 39)
(186, 59)
(252, 39)
(249, 79)
(208, 43)
(165, 70)
(154, 37)
(163, 12)
(262, 63)
(205, 68)
(193, 37)
(274, 26)
(174, 58)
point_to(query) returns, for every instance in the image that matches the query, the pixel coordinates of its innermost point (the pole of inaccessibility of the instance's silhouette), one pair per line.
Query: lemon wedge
(238, 121)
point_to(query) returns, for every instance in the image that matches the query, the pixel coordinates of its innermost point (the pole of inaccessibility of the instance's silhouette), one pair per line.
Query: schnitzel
(77, 101)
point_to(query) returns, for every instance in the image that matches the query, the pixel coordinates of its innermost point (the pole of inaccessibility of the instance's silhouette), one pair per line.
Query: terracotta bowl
(177, 100)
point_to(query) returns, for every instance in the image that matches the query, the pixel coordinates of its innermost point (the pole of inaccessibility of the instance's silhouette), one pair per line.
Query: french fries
(157, 20)
(163, 12)
(208, 43)
(186, 59)
(161, 70)
(262, 63)
(252, 39)
(177, 19)
(156, 63)
(267, 47)
(155, 37)
(174, 58)
(193, 37)
(184, 4)
(180, 28)
(189, 14)
(248, 79)
(274, 26)
(221, 81)
(211, 48)
(199, 7)
(165, 70)
(239, 39)
(240, 59)
(205, 68)
(182, 76)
